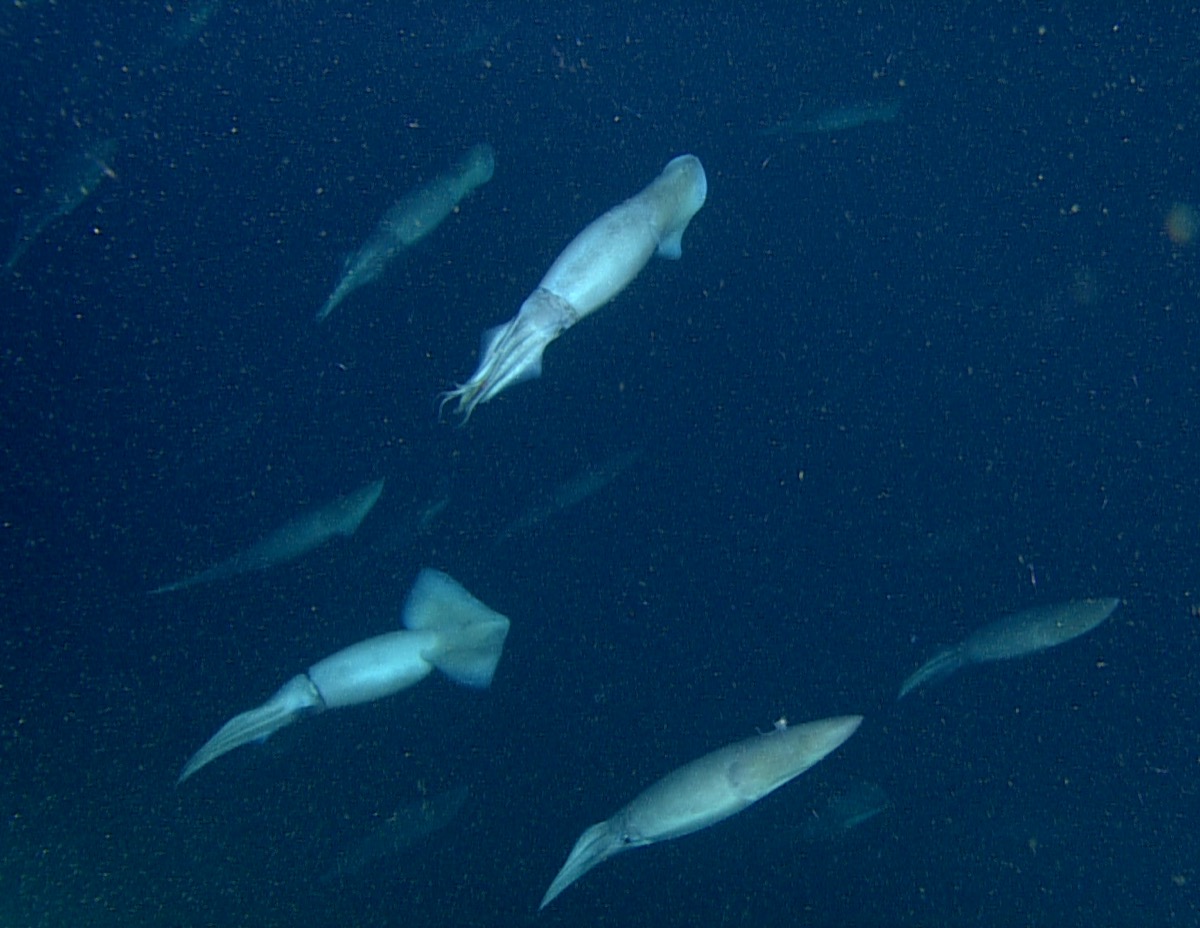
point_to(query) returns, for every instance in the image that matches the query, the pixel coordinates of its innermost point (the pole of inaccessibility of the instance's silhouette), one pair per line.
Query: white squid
(445, 627)
(597, 265)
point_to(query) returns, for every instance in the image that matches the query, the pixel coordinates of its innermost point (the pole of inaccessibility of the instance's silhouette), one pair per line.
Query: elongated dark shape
(1015, 636)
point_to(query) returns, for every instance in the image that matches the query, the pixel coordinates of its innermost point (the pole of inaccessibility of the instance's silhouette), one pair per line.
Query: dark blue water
(907, 377)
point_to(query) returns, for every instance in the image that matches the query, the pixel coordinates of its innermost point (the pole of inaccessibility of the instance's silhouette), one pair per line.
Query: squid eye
(626, 838)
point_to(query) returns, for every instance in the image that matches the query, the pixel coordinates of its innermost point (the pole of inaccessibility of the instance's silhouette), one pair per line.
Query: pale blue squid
(597, 265)
(445, 628)
(706, 791)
